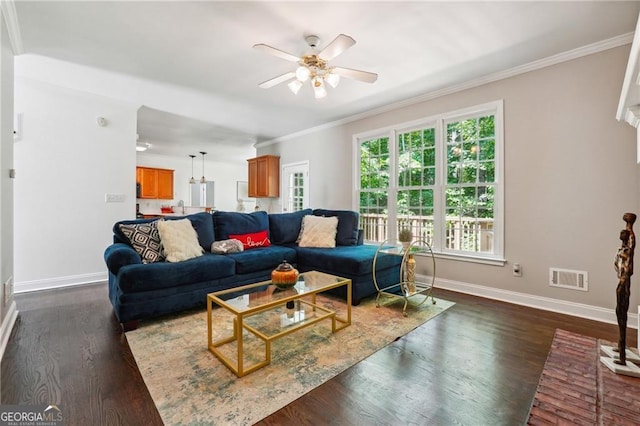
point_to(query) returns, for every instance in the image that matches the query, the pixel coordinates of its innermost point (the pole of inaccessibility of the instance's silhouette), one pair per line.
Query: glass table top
(252, 296)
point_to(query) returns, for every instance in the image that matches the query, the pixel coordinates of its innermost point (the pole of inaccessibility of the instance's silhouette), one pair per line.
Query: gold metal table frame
(250, 300)
(409, 287)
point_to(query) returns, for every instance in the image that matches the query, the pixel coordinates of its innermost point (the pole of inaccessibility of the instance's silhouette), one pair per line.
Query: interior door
(295, 187)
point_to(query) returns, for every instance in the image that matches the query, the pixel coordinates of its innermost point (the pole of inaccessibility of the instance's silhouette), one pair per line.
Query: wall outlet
(517, 270)
(114, 198)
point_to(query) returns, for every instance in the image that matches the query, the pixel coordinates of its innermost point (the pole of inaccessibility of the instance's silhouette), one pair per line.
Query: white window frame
(303, 166)
(439, 122)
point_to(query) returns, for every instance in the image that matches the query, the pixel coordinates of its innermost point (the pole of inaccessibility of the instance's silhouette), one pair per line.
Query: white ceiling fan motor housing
(312, 40)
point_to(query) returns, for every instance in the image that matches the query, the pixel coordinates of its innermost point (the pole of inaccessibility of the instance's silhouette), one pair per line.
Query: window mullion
(394, 167)
(439, 230)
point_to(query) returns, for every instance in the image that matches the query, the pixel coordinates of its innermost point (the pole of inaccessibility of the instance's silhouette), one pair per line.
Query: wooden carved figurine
(624, 269)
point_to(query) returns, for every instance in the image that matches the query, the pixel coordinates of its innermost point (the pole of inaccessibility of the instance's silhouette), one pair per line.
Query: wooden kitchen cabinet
(155, 183)
(165, 184)
(264, 176)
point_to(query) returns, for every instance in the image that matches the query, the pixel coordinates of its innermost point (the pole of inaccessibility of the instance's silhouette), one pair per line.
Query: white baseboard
(545, 303)
(52, 283)
(7, 326)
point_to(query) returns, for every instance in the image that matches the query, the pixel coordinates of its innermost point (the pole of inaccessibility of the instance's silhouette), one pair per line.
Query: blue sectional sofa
(140, 290)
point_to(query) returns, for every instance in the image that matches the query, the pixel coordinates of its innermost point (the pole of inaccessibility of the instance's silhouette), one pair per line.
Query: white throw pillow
(179, 240)
(318, 231)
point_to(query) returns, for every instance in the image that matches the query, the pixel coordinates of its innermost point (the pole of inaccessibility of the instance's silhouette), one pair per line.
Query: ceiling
(415, 48)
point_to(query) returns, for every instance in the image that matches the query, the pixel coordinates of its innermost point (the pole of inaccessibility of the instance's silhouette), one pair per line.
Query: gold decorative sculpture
(411, 274)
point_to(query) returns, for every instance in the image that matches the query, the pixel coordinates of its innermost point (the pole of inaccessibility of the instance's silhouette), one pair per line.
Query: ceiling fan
(314, 66)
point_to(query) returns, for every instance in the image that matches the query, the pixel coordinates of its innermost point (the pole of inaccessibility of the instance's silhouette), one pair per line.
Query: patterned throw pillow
(226, 246)
(253, 240)
(179, 240)
(318, 231)
(145, 240)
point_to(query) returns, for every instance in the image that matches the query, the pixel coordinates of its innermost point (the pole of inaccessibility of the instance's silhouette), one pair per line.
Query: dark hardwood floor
(476, 364)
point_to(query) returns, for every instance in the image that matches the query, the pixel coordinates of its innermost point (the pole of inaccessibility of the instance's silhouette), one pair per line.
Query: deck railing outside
(466, 233)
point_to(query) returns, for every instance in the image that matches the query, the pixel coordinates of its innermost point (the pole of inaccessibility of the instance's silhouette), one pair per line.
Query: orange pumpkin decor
(285, 275)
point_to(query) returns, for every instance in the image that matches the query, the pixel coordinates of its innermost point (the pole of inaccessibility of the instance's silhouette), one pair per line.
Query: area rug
(576, 388)
(189, 385)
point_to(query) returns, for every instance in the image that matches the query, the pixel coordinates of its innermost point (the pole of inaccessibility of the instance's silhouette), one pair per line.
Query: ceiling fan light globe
(332, 79)
(303, 73)
(295, 86)
(319, 91)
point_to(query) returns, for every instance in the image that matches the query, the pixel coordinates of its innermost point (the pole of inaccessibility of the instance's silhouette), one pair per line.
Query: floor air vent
(567, 278)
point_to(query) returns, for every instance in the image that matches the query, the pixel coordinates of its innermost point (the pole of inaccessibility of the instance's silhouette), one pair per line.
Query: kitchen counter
(152, 214)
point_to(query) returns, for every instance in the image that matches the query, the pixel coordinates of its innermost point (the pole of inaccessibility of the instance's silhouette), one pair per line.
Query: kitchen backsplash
(154, 206)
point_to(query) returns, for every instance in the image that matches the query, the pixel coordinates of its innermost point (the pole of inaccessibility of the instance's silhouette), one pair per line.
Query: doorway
(295, 186)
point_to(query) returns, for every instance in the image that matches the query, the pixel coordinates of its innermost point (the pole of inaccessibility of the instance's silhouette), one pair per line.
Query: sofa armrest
(360, 237)
(118, 255)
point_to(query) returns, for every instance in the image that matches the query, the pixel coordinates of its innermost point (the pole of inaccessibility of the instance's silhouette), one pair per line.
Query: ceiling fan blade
(276, 52)
(367, 77)
(277, 80)
(336, 47)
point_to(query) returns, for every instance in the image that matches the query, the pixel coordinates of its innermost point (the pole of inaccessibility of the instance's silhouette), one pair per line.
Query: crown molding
(10, 15)
(633, 116)
(569, 55)
(629, 94)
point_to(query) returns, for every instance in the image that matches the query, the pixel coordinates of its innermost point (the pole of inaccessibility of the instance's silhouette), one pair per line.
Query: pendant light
(192, 180)
(203, 179)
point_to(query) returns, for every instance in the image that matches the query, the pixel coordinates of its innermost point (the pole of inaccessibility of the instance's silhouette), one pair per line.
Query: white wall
(65, 165)
(570, 175)
(224, 174)
(178, 100)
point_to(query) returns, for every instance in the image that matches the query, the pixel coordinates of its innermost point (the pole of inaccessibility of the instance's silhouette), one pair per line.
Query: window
(374, 184)
(296, 192)
(442, 174)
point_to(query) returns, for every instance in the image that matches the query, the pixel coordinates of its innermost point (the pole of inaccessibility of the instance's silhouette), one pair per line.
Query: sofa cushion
(202, 223)
(165, 275)
(318, 231)
(345, 260)
(347, 225)
(145, 240)
(263, 258)
(179, 240)
(284, 228)
(228, 223)
(253, 239)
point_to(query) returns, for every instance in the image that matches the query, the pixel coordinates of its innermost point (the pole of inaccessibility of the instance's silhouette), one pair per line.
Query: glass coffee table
(269, 313)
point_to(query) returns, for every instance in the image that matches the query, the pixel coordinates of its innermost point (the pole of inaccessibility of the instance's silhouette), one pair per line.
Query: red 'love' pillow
(253, 240)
